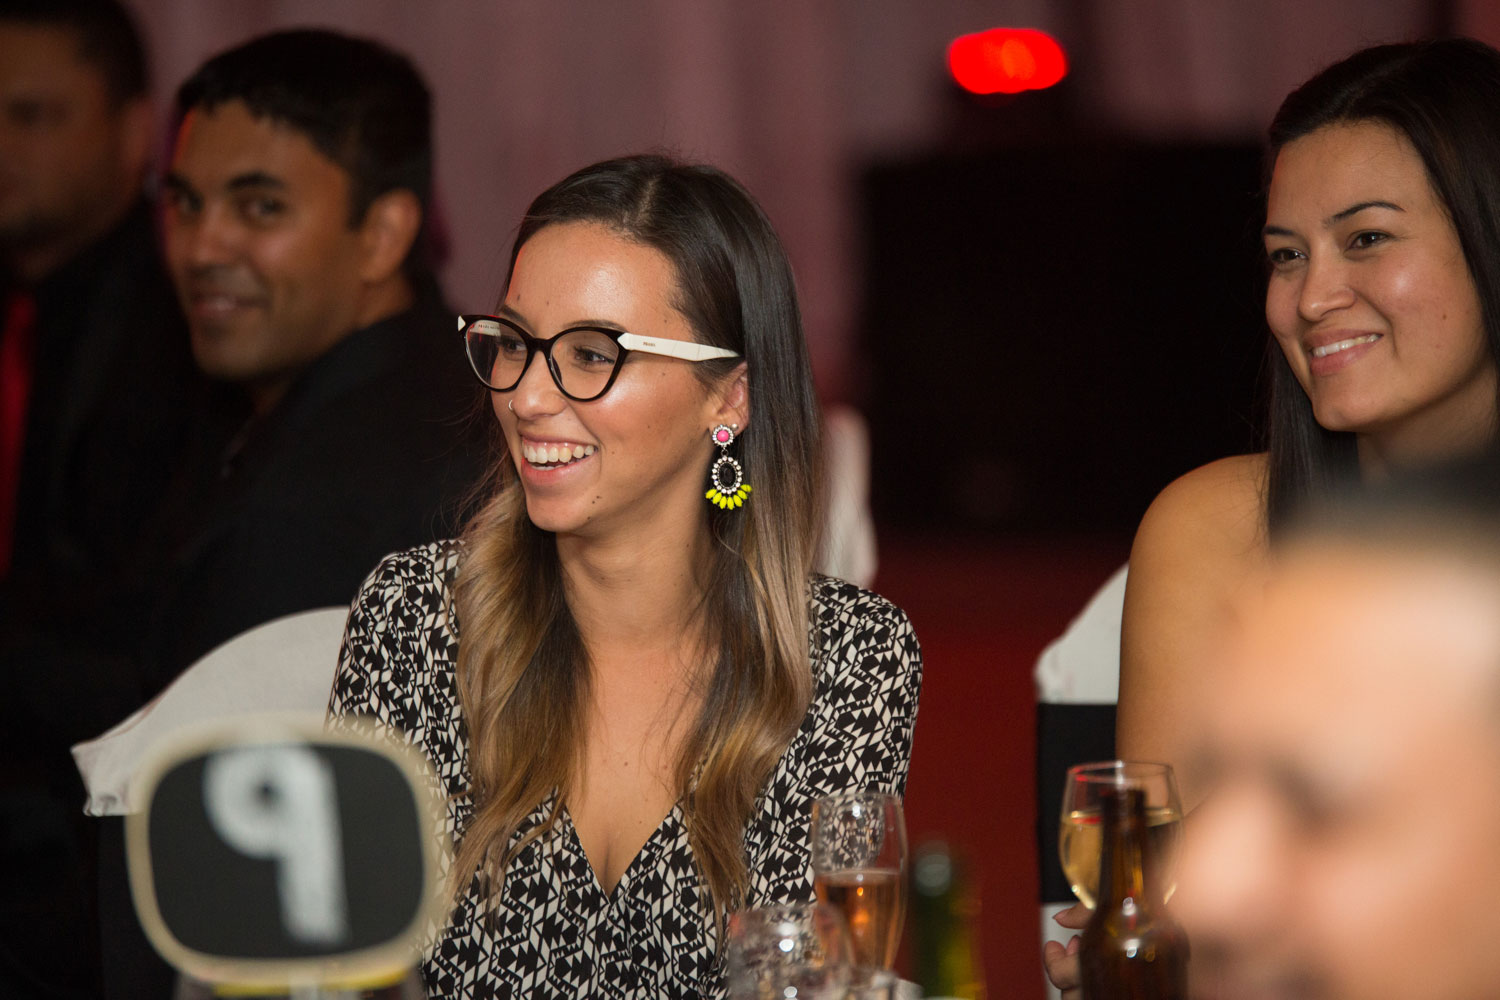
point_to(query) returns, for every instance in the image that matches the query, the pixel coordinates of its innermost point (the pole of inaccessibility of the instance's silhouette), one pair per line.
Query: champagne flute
(791, 951)
(1081, 837)
(859, 866)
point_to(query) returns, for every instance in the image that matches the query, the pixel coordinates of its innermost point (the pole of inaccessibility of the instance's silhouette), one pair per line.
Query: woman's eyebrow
(596, 324)
(505, 311)
(1356, 209)
(1336, 217)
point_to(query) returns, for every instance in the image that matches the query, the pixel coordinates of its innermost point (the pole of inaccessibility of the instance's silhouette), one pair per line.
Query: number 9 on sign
(279, 802)
(274, 851)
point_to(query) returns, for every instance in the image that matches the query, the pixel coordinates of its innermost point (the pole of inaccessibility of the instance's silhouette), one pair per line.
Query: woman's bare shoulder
(1215, 512)
(1202, 539)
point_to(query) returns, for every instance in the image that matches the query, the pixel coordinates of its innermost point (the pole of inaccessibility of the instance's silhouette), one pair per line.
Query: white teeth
(1344, 345)
(216, 303)
(553, 455)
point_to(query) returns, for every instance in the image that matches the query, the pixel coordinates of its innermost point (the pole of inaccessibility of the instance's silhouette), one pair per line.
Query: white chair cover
(1082, 666)
(285, 665)
(848, 550)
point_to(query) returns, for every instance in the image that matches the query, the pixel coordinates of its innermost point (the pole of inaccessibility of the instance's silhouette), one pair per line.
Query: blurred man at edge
(95, 373)
(1348, 848)
(95, 385)
(93, 359)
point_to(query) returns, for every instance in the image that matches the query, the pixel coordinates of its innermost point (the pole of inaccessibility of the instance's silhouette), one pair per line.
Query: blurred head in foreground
(1349, 845)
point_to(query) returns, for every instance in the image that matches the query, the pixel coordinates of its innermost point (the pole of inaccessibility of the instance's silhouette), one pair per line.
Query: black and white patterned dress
(555, 933)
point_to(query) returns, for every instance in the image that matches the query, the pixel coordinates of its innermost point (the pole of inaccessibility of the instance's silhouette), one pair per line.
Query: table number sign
(272, 852)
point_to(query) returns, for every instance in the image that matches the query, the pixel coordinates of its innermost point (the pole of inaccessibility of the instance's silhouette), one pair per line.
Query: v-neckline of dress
(650, 847)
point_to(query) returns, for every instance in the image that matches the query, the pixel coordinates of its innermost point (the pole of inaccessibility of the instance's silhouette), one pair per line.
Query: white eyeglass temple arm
(687, 350)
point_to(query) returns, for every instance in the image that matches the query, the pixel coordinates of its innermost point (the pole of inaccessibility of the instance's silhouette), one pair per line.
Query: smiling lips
(211, 299)
(211, 305)
(553, 455)
(1330, 357)
(1344, 345)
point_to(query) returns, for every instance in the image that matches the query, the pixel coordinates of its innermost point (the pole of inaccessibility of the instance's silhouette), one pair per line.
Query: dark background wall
(1050, 333)
(1054, 332)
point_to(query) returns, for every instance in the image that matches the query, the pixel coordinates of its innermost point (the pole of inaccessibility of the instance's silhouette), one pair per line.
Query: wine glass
(790, 951)
(1081, 837)
(859, 866)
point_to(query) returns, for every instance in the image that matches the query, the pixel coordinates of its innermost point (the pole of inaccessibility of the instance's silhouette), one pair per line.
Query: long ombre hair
(523, 669)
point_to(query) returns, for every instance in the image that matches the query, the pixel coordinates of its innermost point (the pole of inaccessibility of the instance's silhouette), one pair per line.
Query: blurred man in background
(340, 427)
(295, 206)
(95, 385)
(1348, 848)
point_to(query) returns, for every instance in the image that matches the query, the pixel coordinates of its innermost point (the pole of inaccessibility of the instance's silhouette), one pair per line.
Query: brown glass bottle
(1131, 948)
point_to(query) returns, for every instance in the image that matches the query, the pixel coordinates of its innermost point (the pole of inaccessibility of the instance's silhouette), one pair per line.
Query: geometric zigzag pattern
(553, 932)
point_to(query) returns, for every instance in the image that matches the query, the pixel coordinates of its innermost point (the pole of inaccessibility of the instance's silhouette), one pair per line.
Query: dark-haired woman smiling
(1382, 236)
(626, 674)
(1382, 239)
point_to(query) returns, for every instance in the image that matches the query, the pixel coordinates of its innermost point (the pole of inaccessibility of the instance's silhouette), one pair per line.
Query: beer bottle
(1131, 948)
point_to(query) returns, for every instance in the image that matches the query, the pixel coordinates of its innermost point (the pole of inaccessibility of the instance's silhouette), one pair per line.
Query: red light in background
(1006, 61)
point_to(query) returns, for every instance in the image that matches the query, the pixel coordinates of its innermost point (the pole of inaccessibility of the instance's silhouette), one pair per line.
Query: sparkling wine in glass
(1081, 836)
(859, 866)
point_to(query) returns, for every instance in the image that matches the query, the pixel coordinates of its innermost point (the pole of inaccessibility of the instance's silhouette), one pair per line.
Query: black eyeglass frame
(685, 350)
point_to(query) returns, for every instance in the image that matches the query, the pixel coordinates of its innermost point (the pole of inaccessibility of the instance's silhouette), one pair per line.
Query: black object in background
(1067, 734)
(1053, 334)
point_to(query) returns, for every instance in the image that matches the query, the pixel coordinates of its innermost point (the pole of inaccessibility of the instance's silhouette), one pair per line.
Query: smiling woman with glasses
(650, 686)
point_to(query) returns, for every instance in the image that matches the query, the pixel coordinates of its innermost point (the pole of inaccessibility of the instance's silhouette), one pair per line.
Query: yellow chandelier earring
(727, 487)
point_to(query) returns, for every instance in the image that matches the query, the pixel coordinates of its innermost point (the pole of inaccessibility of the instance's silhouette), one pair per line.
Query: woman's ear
(390, 227)
(734, 399)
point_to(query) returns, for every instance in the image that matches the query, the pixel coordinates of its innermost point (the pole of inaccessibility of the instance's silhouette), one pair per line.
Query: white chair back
(285, 665)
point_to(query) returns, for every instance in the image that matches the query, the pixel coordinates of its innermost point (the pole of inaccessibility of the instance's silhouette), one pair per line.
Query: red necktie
(17, 342)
